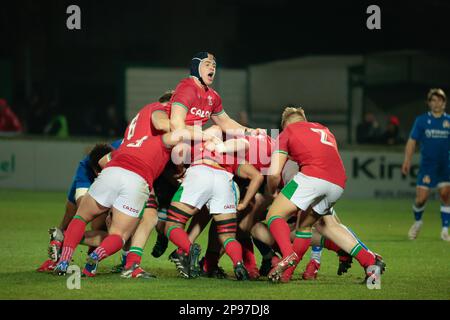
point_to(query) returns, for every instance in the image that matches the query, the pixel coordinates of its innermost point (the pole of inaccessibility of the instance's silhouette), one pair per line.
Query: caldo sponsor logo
(200, 113)
(130, 208)
(7, 166)
(229, 206)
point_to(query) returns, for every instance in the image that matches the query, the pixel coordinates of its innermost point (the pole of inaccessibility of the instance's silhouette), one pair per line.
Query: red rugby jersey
(142, 150)
(199, 102)
(314, 148)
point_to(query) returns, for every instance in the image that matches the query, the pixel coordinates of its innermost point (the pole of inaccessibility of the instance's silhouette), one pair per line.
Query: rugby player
(314, 190)
(86, 172)
(123, 186)
(432, 131)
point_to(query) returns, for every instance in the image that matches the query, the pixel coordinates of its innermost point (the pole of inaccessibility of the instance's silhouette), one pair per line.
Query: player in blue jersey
(432, 131)
(86, 172)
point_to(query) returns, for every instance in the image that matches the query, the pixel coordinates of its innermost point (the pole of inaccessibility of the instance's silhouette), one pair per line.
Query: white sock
(445, 229)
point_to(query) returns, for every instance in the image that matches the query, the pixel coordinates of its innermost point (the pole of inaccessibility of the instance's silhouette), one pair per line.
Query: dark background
(77, 71)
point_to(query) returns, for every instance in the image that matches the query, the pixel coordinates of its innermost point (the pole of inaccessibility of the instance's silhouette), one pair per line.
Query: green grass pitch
(415, 269)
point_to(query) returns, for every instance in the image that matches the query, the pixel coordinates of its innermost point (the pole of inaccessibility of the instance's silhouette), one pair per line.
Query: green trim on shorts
(170, 230)
(356, 249)
(79, 218)
(180, 105)
(137, 250)
(177, 196)
(228, 241)
(271, 220)
(304, 235)
(289, 189)
(141, 213)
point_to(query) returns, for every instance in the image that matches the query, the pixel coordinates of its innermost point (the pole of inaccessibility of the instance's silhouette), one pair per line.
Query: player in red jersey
(313, 191)
(195, 102)
(123, 185)
(206, 182)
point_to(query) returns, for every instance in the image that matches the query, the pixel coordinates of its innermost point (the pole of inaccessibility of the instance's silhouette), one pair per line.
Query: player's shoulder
(116, 144)
(423, 117)
(186, 83)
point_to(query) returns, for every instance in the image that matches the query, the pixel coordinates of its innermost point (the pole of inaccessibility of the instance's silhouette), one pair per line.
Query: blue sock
(418, 212)
(445, 216)
(316, 253)
(358, 239)
(124, 258)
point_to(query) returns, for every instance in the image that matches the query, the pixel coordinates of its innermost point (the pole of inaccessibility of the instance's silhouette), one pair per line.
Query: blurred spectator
(38, 115)
(8, 120)
(369, 130)
(58, 125)
(113, 125)
(392, 134)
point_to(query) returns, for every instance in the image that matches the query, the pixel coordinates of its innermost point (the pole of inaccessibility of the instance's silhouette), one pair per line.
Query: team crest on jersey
(210, 102)
(446, 124)
(426, 179)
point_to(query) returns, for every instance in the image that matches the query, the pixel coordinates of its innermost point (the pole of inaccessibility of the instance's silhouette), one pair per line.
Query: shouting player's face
(208, 70)
(436, 104)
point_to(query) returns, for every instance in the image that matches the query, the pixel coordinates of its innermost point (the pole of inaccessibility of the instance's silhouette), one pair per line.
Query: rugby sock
(110, 245)
(445, 216)
(330, 245)
(248, 254)
(418, 212)
(356, 237)
(179, 237)
(73, 236)
(211, 260)
(234, 250)
(364, 257)
(316, 253)
(280, 231)
(134, 256)
(301, 243)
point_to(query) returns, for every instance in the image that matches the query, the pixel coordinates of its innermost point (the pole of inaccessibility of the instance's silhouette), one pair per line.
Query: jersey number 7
(323, 136)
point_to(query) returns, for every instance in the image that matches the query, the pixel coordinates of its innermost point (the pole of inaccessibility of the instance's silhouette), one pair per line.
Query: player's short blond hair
(438, 92)
(290, 112)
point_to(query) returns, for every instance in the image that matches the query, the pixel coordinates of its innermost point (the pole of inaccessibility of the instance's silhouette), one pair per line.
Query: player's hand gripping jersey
(142, 150)
(199, 102)
(314, 149)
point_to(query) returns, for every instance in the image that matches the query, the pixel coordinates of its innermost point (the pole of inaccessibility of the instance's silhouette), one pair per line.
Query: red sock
(211, 261)
(300, 246)
(132, 258)
(73, 236)
(364, 257)
(330, 245)
(248, 254)
(234, 250)
(110, 245)
(180, 238)
(280, 231)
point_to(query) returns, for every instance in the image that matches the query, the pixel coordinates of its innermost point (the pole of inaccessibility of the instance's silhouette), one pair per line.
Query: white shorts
(206, 185)
(305, 191)
(122, 189)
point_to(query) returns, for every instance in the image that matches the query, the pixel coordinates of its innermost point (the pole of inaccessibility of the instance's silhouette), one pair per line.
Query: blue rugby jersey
(433, 134)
